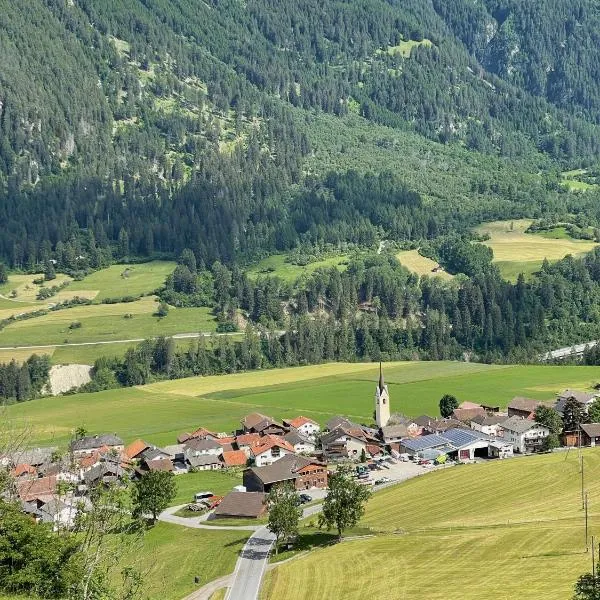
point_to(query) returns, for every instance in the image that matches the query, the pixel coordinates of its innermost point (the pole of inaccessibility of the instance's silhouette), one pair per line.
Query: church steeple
(382, 401)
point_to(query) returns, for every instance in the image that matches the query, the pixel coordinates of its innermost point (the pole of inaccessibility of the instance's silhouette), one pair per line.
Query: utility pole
(582, 494)
(593, 561)
(586, 524)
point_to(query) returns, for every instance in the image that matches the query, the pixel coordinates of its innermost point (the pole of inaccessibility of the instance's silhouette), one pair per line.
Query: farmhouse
(489, 424)
(465, 415)
(204, 462)
(525, 407)
(590, 434)
(583, 398)
(303, 425)
(90, 443)
(303, 472)
(204, 446)
(344, 442)
(271, 450)
(392, 434)
(300, 443)
(135, 449)
(524, 434)
(243, 505)
(259, 423)
(234, 458)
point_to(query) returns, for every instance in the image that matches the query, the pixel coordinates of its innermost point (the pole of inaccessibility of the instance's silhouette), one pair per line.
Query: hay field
(516, 251)
(504, 529)
(421, 265)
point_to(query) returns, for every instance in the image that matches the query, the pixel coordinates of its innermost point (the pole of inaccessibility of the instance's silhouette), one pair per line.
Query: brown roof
(160, 464)
(469, 405)
(23, 470)
(272, 442)
(248, 439)
(202, 432)
(373, 450)
(242, 504)
(591, 429)
(527, 404)
(466, 414)
(235, 458)
(299, 421)
(249, 421)
(183, 437)
(33, 488)
(284, 469)
(203, 444)
(136, 448)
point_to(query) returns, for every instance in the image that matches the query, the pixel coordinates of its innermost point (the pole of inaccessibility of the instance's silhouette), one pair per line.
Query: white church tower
(382, 402)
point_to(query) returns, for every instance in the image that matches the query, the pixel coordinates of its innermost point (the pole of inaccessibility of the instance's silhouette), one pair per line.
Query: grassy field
(160, 411)
(105, 322)
(404, 48)
(516, 251)
(421, 265)
(276, 266)
(571, 181)
(505, 529)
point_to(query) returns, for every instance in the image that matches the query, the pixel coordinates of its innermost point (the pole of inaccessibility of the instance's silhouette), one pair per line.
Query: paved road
(251, 566)
(568, 351)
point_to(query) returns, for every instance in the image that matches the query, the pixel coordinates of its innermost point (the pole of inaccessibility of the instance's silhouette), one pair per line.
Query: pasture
(106, 322)
(516, 251)
(277, 266)
(506, 529)
(159, 412)
(421, 265)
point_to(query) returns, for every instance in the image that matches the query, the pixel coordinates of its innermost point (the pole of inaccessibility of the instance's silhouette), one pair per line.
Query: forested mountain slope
(142, 127)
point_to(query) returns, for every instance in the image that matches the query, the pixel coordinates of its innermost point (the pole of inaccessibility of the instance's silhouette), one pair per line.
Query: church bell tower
(382, 401)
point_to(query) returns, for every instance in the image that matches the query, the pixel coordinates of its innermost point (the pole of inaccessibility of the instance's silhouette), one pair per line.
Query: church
(382, 401)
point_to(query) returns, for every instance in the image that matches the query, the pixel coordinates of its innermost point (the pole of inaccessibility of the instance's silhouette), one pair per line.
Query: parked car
(304, 498)
(385, 466)
(382, 480)
(364, 475)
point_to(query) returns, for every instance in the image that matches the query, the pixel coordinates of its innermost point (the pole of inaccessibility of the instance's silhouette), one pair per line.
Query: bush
(75, 325)
(227, 327)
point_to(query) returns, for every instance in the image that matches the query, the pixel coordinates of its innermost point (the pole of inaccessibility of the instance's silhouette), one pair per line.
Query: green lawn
(159, 412)
(105, 322)
(276, 266)
(219, 483)
(504, 529)
(117, 281)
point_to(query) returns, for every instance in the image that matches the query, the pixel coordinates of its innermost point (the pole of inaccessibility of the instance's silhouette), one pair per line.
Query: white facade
(494, 430)
(382, 404)
(309, 429)
(527, 440)
(304, 447)
(268, 457)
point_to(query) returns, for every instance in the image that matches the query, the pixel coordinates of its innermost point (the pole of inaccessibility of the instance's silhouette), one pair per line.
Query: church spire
(381, 382)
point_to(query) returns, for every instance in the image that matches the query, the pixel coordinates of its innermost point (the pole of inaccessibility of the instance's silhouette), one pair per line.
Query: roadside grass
(276, 266)
(507, 529)
(421, 265)
(513, 247)
(219, 594)
(118, 281)
(218, 482)
(229, 522)
(105, 322)
(161, 411)
(171, 556)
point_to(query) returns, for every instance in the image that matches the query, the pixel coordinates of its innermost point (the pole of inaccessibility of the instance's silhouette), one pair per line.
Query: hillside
(133, 128)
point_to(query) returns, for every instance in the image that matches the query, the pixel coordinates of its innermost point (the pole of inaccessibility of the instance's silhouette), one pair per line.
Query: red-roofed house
(271, 451)
(135, 449)
(31, 489)
(246, 441)
(235, 458)
(304, 425)
(24, 471)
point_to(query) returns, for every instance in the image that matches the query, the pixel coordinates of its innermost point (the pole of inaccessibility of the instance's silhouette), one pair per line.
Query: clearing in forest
(421, 265)
(518, 252)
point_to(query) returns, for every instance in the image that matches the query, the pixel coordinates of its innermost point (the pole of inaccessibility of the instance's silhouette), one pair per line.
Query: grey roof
(49, 510)
(337, 421)
(102, 470)
(488, 419)
(340, 431)
(283, 469)
(581, 397)
(174, 449)
(242, 504)
(153, 454)
(591, 429)
(519, 424)
(32, 456)
(295, 437)
(203, 445)
(203, 460)
(92, 442)
(424, 420)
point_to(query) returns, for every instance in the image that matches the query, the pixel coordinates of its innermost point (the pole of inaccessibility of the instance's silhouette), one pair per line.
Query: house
(158, 464)
(201, 433)
(245, 442)
(259, 423)
(303, 425)
(299, 442)
(373, 450)
(525, 407)
(465, 415)
(234, 458)
(590, 434)
(24, 471)
(271, 450)
(441, 425)
(34, 457)
(583, 398)
(204, 446)
(500, 448)
(524, 434)
(105, 472)
(392, 434)
(89, 443)
(31, 489)
(243, 505)
(345, 442)
(303, 472)
(338, 421)
(154, 453)
(135, 449)
(203, 462)
(489, 424)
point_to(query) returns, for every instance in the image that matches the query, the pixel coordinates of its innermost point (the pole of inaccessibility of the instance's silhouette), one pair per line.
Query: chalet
(524, 434)
(243, 505)
(583, 398)
(204, 446)
(345, 442)
(489, 424)
(201, 434)
(106, 472)
(465, 415)
(259, 423)
(32, 489)
(441, 425)
(337, 421)
(270, 451)
(203, 462)
(159, 464)
(90, 443)
(303, 472)
(154, 453)
(245, 442)
(303, 425)
(234, 458)
(525, 407)
(299, 442)
(135, 449)
(392, 434)
(590, 434)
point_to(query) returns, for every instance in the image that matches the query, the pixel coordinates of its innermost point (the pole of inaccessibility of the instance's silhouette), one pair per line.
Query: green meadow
(159, 412)
(277, 266)
(503, 529)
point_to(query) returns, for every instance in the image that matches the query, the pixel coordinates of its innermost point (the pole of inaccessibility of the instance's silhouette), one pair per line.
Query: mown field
(505, 529)
(160, 411)
(518, 252)
(421, 265)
